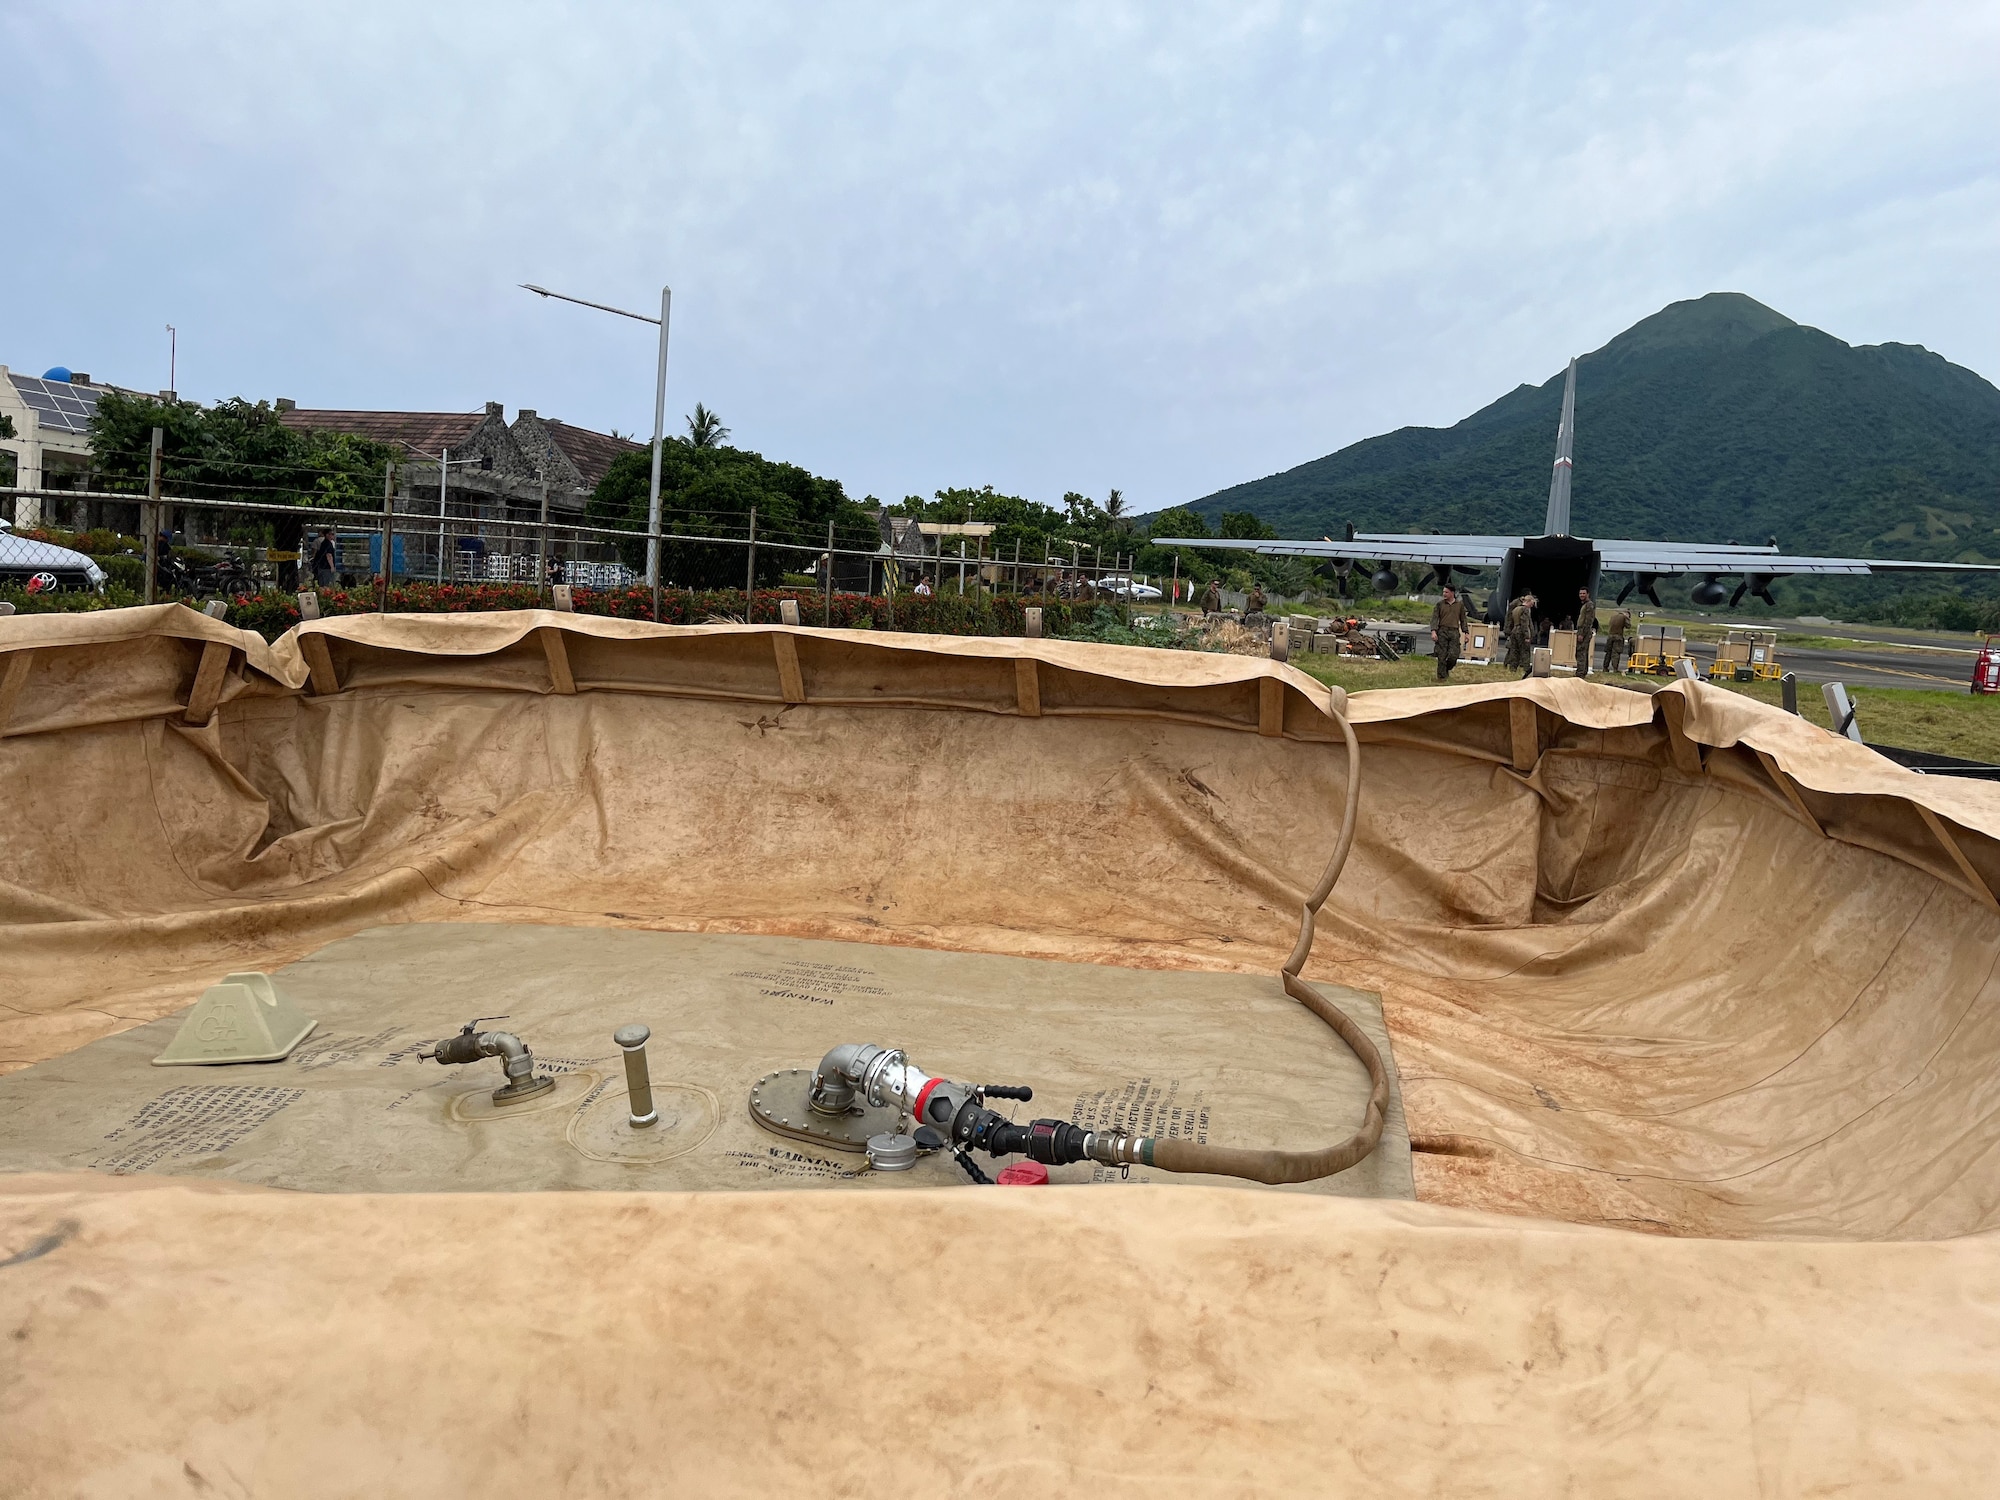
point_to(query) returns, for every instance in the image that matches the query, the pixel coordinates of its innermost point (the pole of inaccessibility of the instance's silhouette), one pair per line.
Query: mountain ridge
(1715, 418)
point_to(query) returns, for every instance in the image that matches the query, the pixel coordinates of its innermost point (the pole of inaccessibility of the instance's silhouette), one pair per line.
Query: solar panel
(57, 403)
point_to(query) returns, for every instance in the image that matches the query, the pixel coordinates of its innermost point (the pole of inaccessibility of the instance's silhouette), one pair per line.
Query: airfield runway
(1935, 669)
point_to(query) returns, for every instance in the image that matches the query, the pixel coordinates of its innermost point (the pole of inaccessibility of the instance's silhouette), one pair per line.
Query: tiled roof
(419, 431)
(591, 452)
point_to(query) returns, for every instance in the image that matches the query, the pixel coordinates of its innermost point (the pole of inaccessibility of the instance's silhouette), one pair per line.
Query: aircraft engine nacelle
(1709, 593)
(1384, 580)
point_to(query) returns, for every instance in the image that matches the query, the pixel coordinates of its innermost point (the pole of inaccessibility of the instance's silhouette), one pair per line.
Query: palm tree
(705, 429)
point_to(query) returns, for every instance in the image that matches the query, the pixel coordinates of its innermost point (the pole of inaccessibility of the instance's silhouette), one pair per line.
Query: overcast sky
(1165, 247)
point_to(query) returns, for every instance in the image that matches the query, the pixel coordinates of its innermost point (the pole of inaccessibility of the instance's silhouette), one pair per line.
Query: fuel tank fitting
(471, 1044)
(885, 1078)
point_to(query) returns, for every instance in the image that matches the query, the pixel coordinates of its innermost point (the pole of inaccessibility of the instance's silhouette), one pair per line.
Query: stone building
(574, 458)
(464, 471)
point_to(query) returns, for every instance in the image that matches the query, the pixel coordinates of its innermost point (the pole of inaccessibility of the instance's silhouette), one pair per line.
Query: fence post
(750, 572)
(444, 479)
(151, 527)
(542, 565)
(388, 532)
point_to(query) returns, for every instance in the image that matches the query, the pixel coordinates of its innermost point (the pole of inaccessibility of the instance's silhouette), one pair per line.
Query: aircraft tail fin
(1557, 521)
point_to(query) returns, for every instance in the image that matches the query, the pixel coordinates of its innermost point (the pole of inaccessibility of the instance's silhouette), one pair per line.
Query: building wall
(44, 457)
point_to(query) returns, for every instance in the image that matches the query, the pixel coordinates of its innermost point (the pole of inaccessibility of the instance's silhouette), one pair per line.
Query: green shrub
(126, 572)
(271, 614)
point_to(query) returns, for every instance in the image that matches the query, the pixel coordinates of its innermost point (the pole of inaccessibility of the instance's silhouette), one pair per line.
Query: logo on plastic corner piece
(244, 1019)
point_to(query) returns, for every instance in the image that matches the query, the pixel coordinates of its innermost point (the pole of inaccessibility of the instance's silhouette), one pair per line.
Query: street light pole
(659, 419)
(659, 439)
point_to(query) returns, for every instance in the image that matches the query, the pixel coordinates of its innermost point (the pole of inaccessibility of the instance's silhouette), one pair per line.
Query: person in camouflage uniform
(1447, 627)
(1520, 637)
(1586, 630)
(1616, 623)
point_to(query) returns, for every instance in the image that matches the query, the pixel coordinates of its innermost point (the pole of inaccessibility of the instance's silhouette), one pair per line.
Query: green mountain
(1715, 419)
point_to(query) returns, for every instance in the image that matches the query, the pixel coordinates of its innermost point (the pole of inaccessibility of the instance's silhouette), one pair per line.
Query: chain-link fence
(205, 546)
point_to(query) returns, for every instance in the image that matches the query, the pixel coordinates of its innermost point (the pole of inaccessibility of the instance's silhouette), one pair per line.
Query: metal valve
(471, 1044)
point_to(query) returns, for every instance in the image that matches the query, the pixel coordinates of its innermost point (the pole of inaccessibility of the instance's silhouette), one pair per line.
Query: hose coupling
(1119, 1150)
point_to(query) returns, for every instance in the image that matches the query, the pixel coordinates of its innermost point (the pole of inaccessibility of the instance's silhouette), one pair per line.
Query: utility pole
(750, 572)
(659, 439)
(829, 571)
(152, 527)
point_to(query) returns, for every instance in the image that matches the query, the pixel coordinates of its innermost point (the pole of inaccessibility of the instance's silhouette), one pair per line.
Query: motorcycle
(227, 576)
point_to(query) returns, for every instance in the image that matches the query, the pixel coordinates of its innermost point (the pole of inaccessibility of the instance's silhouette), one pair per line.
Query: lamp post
(659, 420)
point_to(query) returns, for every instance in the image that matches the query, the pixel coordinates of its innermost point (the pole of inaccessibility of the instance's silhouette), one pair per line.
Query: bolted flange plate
(780, 1102)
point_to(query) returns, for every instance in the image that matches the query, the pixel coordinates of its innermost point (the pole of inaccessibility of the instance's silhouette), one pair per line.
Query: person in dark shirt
(325, 559)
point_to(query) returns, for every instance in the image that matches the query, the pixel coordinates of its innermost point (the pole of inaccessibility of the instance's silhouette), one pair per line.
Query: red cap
(1024, 1174)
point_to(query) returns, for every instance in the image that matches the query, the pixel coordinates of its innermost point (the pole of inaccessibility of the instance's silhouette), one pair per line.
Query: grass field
(1942, 723)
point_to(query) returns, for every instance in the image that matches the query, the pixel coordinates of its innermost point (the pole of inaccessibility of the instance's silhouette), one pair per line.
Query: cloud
(1166, 248)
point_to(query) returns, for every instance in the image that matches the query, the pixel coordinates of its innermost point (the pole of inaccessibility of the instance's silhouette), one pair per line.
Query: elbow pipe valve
(517, 1061)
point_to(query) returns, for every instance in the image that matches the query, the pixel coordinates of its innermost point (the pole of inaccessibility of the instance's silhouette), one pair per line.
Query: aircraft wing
(1456, 551)
(1667, 559)
(1658, 559)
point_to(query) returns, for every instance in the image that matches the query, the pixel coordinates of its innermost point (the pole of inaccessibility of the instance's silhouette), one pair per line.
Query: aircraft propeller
(1647, 584)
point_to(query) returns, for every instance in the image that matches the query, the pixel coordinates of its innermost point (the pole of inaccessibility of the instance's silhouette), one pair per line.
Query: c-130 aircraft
(1554, 565)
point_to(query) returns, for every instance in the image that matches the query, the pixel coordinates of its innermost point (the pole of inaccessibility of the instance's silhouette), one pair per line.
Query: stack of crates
(1562, 651)
(1764, 655)
(1657, 648)
(1747, 656)
(1732, 659)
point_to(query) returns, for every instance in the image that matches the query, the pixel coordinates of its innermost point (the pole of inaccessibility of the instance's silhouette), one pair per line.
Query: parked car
(1128, 588)
(42, 566)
